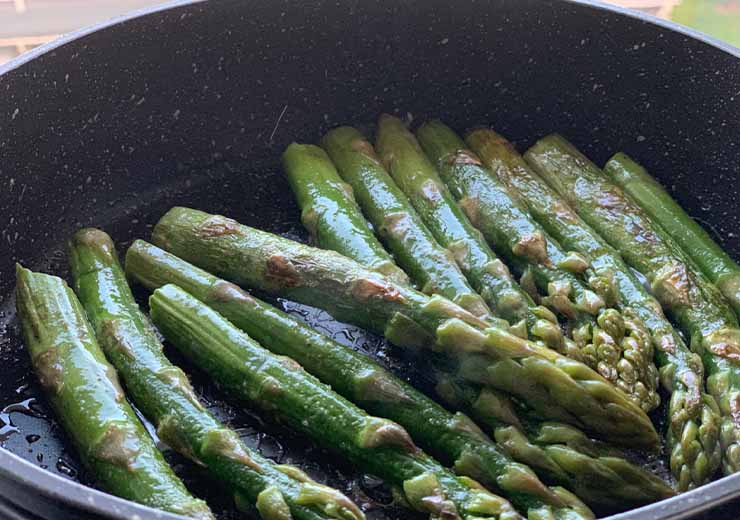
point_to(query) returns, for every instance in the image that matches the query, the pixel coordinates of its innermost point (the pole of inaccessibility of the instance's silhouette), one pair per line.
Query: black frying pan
(192, 104)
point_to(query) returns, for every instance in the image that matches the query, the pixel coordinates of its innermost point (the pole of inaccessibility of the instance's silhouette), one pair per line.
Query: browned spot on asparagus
(532, 247)
(219, 225)
(282, 271)
(368, 289)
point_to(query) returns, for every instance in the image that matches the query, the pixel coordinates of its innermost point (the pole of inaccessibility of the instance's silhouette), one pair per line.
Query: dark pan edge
(595, 4)
(35, 489)
(701, 499)
(654, 20)
(80, 33)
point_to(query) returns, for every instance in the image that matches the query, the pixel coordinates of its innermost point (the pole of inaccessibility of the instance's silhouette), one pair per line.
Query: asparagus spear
(556, 386)
(560, 453)
(278, 384)
(682, 370)
(379, 197)
(330, 213)
(84, 392)
(695, 304)
(356, 377)
(713, 261)
(162, 392)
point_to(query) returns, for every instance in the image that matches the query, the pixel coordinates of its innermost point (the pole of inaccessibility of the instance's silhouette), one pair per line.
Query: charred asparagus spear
(556, 386)
(559, 453)
(695, 304)
(695, 454)
(330, 213)
(379, 196)
(713, 261)
(430, 266)
(279, 384)
(84, 392)
(362, 381)
(162, 392)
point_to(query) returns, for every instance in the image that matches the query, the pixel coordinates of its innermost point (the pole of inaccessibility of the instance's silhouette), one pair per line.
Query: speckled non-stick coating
(193, 106)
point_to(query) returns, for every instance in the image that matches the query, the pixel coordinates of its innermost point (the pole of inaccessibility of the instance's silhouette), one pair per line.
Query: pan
(190, 103)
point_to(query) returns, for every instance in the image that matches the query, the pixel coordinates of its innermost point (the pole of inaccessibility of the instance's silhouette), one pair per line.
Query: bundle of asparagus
(451, 437)
(558, 387)
(88, 400)
(162, 392)
(279, 385)
(686, 294)
(436, 216)
(693, 421)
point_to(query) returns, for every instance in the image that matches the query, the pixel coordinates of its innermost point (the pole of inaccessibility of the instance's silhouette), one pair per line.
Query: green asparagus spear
(445, 225)
(278, 384)
(560, 453)
(556, 386)
(695, 304)
(162, 392)
(682, 370)
(330, 213)
(450, 437)
(84, 392)
(713, 261)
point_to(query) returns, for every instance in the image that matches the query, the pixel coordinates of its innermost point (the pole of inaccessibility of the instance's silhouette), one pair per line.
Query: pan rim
(15, 469)
(598, 5)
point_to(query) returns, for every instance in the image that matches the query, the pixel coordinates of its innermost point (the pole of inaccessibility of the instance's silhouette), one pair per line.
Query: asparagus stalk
(694, 303)
(330, 213)
(557, 387)
(713, 261)
(380, 197)
(450, 437)
(84, 392)
(162, 392)
(278, 384)
(560, 453)
(682, 370)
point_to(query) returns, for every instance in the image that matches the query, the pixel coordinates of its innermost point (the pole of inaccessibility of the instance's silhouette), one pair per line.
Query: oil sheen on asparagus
(487, 354)
(88, 401)
(280, 385)
(162, 392)
(452, 438)
(685, 293)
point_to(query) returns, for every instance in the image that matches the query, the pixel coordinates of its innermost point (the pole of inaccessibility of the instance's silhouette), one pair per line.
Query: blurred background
(25, 24)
